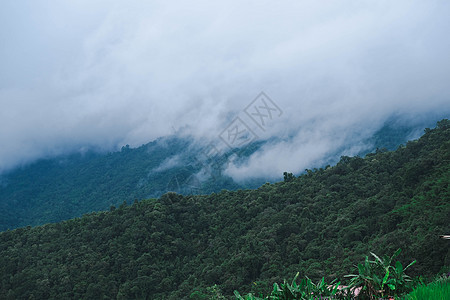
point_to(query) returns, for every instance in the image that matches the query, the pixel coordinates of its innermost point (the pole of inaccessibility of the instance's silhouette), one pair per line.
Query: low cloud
(113, 73)
(168, 163)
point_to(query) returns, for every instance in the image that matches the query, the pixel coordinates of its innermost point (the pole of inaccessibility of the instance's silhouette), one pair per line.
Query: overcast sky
(77, 74)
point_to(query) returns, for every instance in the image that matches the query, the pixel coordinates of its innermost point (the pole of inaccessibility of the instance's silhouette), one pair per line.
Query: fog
(77, 74)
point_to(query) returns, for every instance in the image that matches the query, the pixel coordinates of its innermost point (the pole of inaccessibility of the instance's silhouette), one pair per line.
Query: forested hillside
(64, 187)
(318, 224)
(61, 188)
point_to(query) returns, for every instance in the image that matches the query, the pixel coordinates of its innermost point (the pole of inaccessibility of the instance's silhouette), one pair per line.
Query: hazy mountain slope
(320, 224)
(61, 188)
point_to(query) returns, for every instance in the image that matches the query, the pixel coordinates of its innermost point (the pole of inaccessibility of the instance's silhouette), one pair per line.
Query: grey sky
(108, 73)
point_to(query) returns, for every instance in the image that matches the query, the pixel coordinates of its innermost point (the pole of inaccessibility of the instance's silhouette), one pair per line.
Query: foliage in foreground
(438, 289)
(306, 289)
(376, 278)
(380, 277)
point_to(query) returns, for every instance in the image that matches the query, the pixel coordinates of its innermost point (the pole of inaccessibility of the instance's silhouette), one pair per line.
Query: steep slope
(61, 188)
(319, 223)
(58, 189)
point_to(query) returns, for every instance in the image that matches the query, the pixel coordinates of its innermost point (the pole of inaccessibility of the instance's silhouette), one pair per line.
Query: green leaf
(335, 288)
(379, 259)
(412, 263)
(238, 296)
(295, 278)
(386, 277)
(361, 269)
(398, 267)
(396, 253)
(391, 286)
(322, 283)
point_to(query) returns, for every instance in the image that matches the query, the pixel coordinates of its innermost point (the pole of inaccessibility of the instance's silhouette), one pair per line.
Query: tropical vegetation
(319, 224)
(59, 188)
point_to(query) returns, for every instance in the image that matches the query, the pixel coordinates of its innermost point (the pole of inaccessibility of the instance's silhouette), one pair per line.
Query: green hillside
(318, 224)
(62, 188)
(55, 189)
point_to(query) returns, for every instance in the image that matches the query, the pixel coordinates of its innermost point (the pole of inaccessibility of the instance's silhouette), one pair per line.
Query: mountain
(61, 188)
(175, 247)
(56, 189)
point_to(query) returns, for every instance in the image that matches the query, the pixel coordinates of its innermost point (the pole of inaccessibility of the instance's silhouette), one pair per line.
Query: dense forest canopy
(318, 224)
(61, 188)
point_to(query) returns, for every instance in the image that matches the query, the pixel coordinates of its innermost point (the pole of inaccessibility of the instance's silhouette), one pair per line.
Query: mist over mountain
(67, 186)
(106, 74)
(320, 224)
(175, 150)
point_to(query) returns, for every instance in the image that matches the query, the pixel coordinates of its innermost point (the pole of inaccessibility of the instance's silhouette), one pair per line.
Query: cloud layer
(114, 73)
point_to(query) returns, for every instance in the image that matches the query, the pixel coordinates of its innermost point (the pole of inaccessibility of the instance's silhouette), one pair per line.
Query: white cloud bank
(125, 72)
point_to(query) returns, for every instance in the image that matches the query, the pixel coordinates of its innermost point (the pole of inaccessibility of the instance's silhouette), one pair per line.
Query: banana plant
(375, 278)
(305, 290)
(380, 278)
(366, 279)
(395, 278)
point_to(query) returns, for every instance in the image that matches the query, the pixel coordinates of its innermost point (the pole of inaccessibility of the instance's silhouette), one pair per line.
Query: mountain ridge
(64, 187)
(319, 223)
